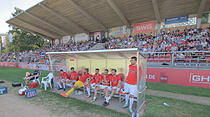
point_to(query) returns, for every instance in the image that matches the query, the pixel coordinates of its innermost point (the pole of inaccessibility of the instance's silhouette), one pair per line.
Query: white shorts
(131, 89)
(103, 86)
(93, 85)
(66, 80)
(116, 88)
(98, 85)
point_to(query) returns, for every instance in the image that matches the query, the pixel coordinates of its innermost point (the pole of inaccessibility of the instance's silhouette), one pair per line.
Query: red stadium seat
(161, 59)
(208, 59)
(156, 59)
(187, 59)
(150, 59)
(168, 58)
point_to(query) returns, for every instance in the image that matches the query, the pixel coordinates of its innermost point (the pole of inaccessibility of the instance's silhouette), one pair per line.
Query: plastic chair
(47, 80)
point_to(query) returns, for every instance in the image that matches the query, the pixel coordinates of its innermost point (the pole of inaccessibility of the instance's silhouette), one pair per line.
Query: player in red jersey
(97, 79)
(91, 84)
(63, 76)
(130, 85)
(105, 82)
(79, 83)
(73, 76)
(115, 82)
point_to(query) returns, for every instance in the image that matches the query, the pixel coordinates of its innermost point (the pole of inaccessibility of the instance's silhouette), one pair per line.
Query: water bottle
(167, 105)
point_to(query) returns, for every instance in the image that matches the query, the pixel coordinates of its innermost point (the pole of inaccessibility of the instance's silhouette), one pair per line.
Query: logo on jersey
(132, 71)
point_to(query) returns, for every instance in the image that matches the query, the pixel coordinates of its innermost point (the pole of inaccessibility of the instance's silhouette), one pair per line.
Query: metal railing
(190, 57)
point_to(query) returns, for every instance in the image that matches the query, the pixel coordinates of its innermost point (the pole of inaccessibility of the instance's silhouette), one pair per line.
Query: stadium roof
(57, 18)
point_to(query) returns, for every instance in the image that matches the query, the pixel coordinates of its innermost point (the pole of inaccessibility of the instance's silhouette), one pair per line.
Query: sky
(7, 7)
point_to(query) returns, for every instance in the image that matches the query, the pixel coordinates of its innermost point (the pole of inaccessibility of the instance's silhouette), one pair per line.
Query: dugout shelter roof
(97, 54)
(58, 18)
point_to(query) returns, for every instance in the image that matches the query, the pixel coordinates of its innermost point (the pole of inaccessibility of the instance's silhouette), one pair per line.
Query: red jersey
(105, 83)
(114, 80)
(63, 75)
(73, 75)
(132, 75)
(84, 77)
(97, 78)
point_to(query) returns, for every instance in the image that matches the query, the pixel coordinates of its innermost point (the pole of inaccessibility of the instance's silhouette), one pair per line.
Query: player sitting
(73, 77)
(91, 84)
(62, 79)
(115, 82)
(105, 80)
(79, 83)
(97, 78)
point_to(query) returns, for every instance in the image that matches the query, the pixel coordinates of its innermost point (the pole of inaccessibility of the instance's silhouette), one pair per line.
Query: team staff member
(79, 83)
(62, 78)
(130, 85)
(115, 82)
(33, 76)
(97, 78)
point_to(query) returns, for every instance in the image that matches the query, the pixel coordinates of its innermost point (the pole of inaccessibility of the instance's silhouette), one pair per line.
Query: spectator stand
(105, 59)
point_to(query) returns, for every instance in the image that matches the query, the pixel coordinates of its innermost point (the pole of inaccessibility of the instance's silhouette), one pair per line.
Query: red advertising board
(185, 77)
(6, 64)
(144, 27)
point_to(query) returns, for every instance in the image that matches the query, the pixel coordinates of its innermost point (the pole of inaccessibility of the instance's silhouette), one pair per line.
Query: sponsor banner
(144, 27)
(3, 41)
(178, 19)
(185, 77)
(205, 18)
(6, 64)
(118, 30)
(10, 37)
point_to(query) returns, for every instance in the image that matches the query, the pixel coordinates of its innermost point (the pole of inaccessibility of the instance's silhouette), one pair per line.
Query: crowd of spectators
(39, 56)
(166, 41)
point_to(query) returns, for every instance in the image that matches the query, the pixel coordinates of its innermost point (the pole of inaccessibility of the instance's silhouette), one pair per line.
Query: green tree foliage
(22, 39)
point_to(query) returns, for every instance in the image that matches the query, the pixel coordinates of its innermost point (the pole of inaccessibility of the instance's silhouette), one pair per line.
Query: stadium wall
(184, 77)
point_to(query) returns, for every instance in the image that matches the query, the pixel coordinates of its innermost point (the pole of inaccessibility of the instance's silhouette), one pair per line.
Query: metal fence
(190, 58)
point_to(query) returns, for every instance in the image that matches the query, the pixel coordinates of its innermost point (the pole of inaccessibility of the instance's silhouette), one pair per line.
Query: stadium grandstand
(77, 27)
(172, 35)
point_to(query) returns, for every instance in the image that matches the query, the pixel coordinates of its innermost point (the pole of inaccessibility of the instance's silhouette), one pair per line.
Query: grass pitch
(155, 107)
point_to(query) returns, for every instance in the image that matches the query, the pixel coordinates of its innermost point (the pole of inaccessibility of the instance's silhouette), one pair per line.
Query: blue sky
(7, 7)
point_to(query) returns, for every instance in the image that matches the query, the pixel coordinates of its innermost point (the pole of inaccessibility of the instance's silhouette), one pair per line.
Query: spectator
(180, 57)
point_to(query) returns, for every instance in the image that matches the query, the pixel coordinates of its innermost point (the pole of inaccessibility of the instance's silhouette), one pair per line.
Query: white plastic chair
(47, 80)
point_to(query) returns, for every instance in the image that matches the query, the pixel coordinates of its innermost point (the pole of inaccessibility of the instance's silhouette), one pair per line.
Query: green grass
(178, 108)
(155, 108)
(197, 91)
(16, 74)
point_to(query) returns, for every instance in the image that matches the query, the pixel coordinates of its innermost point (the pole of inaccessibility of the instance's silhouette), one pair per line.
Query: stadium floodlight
(103, 59)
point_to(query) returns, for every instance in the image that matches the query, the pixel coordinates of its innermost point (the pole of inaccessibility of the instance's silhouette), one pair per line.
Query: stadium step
(98, 46)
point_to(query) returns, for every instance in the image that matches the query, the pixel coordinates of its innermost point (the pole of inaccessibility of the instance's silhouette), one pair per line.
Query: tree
(24, 40)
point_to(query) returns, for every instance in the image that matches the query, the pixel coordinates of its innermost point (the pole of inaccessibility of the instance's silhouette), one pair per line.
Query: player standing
(130, 85)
